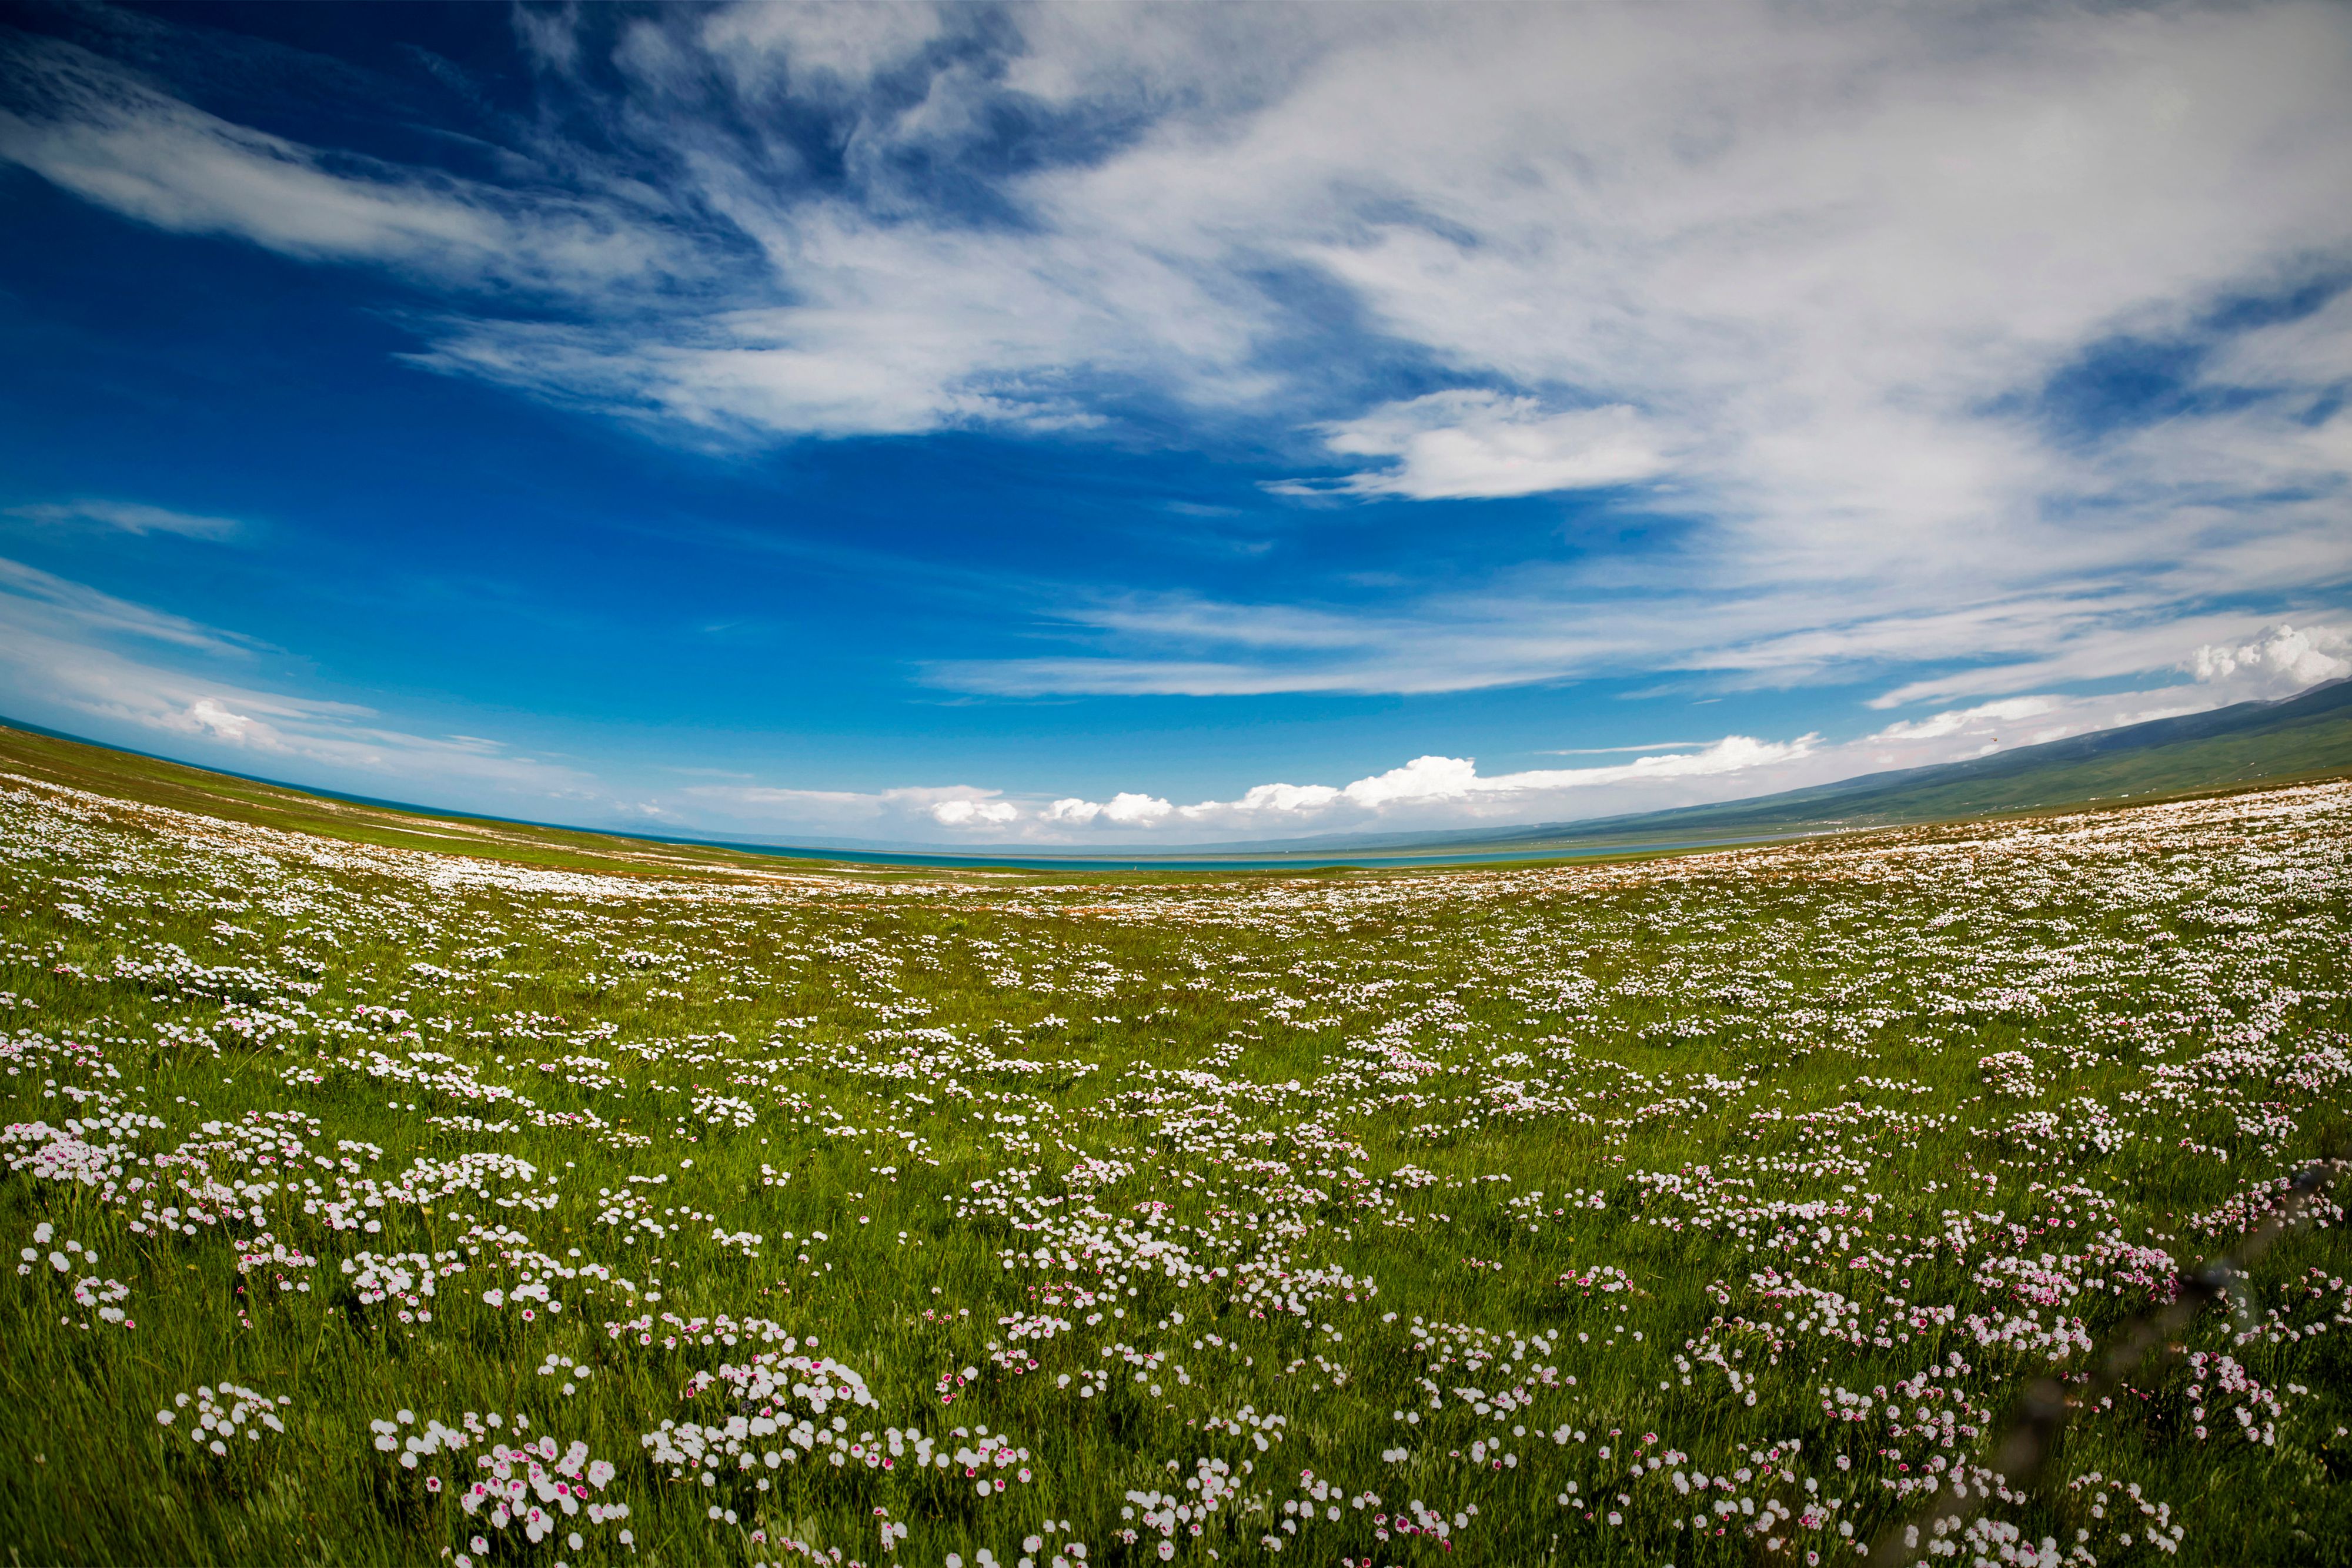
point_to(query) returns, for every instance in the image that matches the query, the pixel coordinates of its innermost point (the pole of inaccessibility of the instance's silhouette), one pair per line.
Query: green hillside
(130, 776)
(2305, 737)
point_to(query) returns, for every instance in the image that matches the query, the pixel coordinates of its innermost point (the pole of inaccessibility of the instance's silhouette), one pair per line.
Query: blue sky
(977, 425)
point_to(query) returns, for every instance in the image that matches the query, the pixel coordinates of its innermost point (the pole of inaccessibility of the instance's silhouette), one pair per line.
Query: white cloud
(1457, 641)
(1473, 444)
(1432, 793)
(551, 38)
(1425, 792)
(1124, 809)
(43, 598)
(2281, 662)
(1296, 799)
(2007, 724)
(965, 813)
(817, 44)
(906, 814)
(1424, 789)
(2306, 354)
(209, 715)
(1434, 778)
(132, 517)
(57, 655)
(1955, 721)
(1131, 809)
(2096, 651)
(56, 668)
(1832, 258)
(106, 135)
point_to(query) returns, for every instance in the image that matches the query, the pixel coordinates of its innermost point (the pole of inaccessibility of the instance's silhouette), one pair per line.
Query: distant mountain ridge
(2309, 733)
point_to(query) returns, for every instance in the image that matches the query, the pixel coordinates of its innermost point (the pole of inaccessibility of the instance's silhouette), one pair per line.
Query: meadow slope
(379, 1206)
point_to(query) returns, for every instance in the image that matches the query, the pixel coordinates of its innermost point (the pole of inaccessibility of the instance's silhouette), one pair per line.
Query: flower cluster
(223, 1413)
(1701, 1209)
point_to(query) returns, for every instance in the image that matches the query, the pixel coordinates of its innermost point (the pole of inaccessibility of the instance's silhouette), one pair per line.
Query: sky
(974, 424)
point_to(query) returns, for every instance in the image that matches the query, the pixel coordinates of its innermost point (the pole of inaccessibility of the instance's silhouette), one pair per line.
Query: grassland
(382, 1205)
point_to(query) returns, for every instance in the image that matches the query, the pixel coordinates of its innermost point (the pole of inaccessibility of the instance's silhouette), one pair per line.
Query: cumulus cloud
(1296, 800)
(1431, 779)
(1125, 810)
(2281, 662)
(1129, 809)
(130, 518)
(963, 813)
(1451, 787)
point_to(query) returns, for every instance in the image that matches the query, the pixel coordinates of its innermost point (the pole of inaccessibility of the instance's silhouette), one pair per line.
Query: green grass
(1988, 1061)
